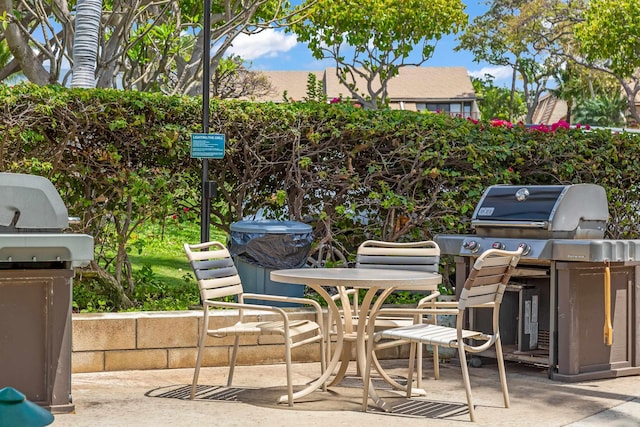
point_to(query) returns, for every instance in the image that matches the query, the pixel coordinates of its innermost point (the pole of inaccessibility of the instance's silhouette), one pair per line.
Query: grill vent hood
(578, 211)
(30, 203)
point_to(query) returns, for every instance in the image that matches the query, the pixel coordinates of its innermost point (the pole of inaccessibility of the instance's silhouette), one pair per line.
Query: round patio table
(372, 279)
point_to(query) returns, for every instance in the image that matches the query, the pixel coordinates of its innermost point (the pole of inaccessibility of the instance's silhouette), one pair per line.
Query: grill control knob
(472, 246)
(497, 245)
(526, 249)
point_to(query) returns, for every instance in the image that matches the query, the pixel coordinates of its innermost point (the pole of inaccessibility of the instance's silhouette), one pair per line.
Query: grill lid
(577, 211)
(30, 203)
(32, 216)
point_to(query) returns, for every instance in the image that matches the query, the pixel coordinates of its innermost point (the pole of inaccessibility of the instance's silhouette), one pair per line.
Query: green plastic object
(16, 410)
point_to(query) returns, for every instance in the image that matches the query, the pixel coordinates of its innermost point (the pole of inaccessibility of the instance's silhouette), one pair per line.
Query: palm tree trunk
(85, 46)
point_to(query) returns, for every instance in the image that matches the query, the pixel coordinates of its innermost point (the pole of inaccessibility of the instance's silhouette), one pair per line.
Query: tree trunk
(18, 44)
(85, 46)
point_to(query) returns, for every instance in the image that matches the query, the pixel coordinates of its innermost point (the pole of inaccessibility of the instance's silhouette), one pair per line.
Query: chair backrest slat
(216, 273)
(215, 270)
(488, 278)
(209, 254)
(213, 293)
(479, 295)
(416, 256)
(398, 251)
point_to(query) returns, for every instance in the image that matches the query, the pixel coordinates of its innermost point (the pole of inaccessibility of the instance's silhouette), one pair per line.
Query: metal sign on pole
(207, 145)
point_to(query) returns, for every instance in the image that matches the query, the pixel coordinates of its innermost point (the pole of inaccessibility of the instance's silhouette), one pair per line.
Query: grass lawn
(163, 277)
(162, 251)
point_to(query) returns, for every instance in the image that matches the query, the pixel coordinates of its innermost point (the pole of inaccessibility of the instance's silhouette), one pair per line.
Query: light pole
(206, 185)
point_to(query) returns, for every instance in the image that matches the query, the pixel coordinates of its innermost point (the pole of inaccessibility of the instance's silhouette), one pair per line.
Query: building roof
(294, 83)
(415, 84)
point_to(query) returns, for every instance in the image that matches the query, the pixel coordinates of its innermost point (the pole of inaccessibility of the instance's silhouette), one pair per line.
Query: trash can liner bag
(269, 250)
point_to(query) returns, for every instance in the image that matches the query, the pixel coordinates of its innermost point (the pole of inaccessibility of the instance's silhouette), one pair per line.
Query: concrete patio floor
(160, 398)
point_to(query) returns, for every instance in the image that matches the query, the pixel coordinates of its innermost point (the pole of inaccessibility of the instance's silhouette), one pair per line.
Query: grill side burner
(553, 312)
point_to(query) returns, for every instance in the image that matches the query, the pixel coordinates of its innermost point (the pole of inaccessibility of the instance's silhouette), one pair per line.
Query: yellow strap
(608, 329)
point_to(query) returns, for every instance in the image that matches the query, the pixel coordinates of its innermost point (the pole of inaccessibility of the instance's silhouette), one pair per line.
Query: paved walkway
(160, 398)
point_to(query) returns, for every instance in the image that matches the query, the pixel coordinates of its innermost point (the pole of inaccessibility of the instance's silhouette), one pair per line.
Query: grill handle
(519, 224)
(608, 329)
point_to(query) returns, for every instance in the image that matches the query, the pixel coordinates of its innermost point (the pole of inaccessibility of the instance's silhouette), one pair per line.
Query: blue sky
(276, 50)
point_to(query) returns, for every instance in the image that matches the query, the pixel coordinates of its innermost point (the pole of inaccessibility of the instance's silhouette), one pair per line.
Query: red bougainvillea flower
(474, 121)
(500, 123)
(540, 128)
(560, 124)
(185, 210)
(335, 100)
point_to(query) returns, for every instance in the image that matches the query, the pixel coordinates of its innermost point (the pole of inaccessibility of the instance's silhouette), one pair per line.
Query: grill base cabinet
(584, 355)
(571, 343)
(35, 336)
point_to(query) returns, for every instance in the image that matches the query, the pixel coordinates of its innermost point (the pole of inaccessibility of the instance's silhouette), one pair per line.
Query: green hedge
(122, 158)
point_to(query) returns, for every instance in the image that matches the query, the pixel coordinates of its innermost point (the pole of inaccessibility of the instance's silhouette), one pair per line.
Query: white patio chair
(414, 256)
(218, 279)
(483, 289)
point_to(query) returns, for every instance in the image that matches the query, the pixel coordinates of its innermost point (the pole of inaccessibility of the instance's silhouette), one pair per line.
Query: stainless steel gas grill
(36, 268)
(556, 313)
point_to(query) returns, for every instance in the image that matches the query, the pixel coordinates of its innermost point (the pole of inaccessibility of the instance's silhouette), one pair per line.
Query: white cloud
(268, 43)
(499, 73)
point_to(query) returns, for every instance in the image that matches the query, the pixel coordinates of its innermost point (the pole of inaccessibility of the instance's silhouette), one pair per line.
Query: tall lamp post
(206, 185)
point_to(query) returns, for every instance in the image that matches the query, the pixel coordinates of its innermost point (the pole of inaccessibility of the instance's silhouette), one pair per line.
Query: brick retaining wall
(168, 339)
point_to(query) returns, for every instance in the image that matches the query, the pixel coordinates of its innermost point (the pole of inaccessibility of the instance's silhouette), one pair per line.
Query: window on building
(453, 109)
(438, 107)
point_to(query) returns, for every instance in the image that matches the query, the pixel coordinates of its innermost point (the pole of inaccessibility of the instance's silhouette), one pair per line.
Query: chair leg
(287, 357)
(436, 362)
(196, 372)
(412, 360)
(466, 381)
(366, 375)
(232, 364)
(323, 361)
(419, 354)
(502, 371)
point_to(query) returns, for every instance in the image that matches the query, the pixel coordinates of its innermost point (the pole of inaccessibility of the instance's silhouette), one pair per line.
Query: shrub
(121, 159)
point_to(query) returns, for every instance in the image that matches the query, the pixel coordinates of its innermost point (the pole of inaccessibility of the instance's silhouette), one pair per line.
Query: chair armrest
(342, 291)
(281, 298)
(444, 304)
(238, 306)
(206, 245)
(416, 311)
(428, 300)
(413, 312)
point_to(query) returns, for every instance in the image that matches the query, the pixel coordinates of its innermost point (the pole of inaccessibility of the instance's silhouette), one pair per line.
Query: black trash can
(259, 247)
